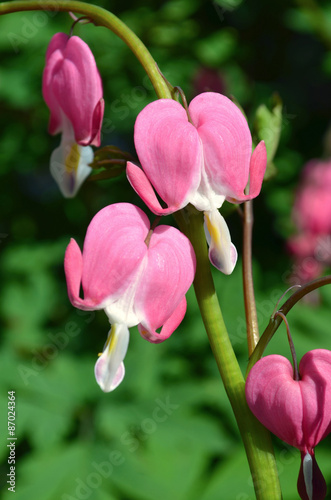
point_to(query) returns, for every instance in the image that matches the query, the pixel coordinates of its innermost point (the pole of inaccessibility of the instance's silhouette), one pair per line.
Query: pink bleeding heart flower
(72, 90)
(297, 411)
(311, 214)
(138, 276)
(312, 206)
(203, 162)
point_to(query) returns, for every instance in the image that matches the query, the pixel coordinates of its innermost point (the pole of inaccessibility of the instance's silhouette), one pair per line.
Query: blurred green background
(167, 432)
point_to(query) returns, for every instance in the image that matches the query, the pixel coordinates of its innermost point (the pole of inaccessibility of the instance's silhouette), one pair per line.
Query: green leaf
(230, 479)
(65, 473)
(217, 48)
(268, 125)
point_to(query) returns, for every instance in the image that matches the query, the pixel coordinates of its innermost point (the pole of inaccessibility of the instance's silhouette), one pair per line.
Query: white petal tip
(307, 467)
(69, 167)
(109, 369)
(222, 252)
(108, 383)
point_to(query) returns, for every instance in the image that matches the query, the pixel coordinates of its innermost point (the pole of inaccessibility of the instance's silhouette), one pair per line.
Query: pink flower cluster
(311, 247)
(139, 276)
(201, 156)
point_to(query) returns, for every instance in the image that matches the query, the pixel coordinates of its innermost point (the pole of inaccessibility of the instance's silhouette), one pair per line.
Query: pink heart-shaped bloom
(202, 159)
(297, 411)
(138, 277)
(72, 89)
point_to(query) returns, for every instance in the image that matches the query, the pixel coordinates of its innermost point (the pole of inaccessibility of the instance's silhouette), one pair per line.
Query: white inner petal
(123, 310)
(205, 198)
(69, 163)
(109, 368)
(222, 253)
(307, 467)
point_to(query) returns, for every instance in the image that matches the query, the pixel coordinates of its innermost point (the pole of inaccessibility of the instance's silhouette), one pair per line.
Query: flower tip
(311, 483)
(106, 383)
(109, 369)
(258, 165)
(222, 252)
(225, 265)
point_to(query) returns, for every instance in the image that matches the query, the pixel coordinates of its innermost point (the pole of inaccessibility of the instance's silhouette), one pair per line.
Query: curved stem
(100, 17)
(292, 348)
(256, 438)
(275, 320)
(249, 297)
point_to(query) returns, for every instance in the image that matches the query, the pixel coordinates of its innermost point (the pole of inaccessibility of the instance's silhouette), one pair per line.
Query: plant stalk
(252, 325)
(256, 438)
(276, 320)
(100, 17)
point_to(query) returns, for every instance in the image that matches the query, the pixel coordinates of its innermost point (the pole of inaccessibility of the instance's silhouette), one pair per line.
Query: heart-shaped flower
(139, 276)
(72, 90)
(297, 411)
(203, 159)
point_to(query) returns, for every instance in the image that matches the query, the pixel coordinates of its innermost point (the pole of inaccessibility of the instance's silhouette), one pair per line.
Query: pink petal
(226, 139)
(73, 267)
(72, 85)
(227, 147)
(315, 371)
(114, 247)
(97, 119)
(298, 412)
(168, 275)
(275, 398)
(54, 58)
(144, 189)
(169, 151)
(257, 168)
(169, 326)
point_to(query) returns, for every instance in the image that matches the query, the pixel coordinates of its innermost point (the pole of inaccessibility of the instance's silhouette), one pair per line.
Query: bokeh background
(168, 431)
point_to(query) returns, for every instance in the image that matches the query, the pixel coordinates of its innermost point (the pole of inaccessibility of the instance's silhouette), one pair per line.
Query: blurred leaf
(222, 478)
(157, 467)
(217, 48)
(177, 10)
(60, 472)
(167, 35)
(229, 4)
(268, 126)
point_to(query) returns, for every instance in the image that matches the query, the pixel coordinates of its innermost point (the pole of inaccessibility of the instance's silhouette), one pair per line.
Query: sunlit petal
(222, 252)
(109, 369)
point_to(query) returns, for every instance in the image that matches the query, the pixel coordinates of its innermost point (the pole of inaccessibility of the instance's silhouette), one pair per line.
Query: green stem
(249, 297)
(256, 438)
(292, 348)
(100, 17)
(275, 321)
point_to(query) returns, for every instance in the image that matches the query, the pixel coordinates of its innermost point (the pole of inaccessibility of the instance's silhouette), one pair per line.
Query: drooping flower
(297, 411)
(203, 162)
(72, 90)
(138, 276)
